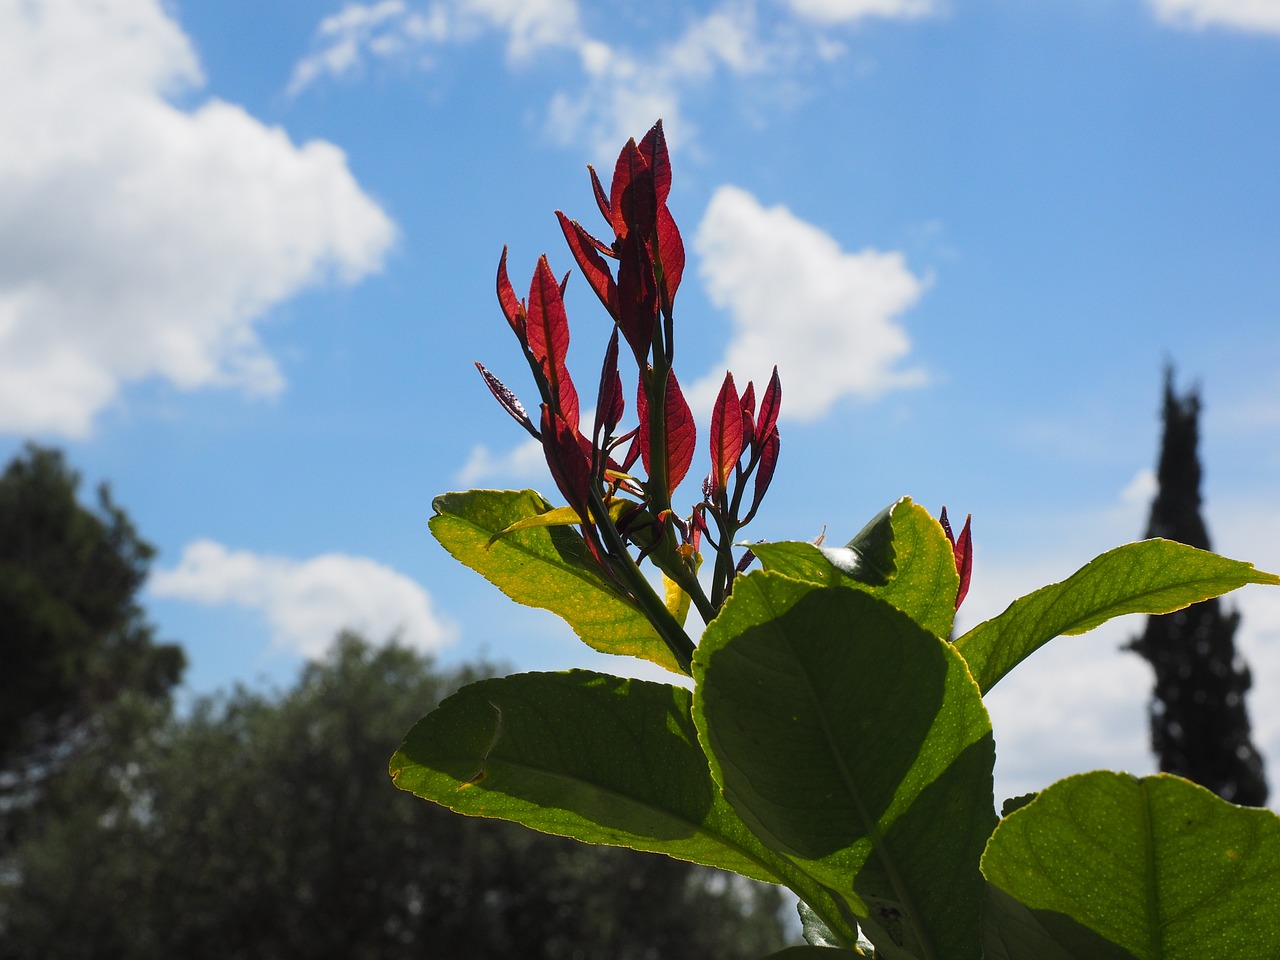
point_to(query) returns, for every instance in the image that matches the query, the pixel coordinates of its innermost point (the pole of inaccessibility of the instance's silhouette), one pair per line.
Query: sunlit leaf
(1153, 576)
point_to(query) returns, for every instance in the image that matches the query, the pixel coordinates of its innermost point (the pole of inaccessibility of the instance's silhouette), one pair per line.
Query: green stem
(641, 590)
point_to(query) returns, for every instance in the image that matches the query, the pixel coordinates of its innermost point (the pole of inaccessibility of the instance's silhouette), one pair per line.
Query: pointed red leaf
(569, 464)
(654, 149)
(963, 550)
(749, 415)
(610, 404)
(680, 433)
(631, 198)
(769, 405)
(726, 433)
(593, 266)
(637, 297)
(547, 332)
(602, 200)
(512, 309)
(764, 472)
(510, 402)
(670, 252)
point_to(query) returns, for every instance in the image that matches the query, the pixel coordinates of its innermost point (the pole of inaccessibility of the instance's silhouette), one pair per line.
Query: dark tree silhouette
(1199, 723)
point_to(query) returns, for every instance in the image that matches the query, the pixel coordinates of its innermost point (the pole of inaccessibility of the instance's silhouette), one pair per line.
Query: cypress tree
(1199, 723)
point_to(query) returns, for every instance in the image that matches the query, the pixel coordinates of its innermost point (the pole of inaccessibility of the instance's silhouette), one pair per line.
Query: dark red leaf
(510, 402)
(654, 149)
(963, 551)
(591, 263)
(726, 433)
(670, 253)
(764, 472)
(512, 309)
(680, 433)
(602, 200)
(749, 415)
(610, 403)
(548, 339)
(637, 297)
(569, 464)
(631, 198)
(769, 405)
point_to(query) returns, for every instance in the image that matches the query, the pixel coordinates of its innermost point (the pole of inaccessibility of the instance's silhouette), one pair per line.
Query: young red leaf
(610, 403)
(631, 198)
(637, 297)
(764, 472)
(602, 200)
(510, 402)
(654, 149)
(569, 464)
(680, 433)
(769, 405)
(547, 332)
(749, 415)
(963, 551)
(595, 269)
(726, 434)
(512, 309)
(671, 253)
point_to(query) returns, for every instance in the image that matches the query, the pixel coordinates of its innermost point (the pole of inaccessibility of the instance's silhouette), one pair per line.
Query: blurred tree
(1199, 723)
(77, 658)
(264, 827)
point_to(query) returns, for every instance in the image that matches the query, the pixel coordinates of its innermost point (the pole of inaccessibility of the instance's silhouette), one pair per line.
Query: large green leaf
(545, 567)
(591, 756)
(1104, 866)
(1153, 576)
(902, 556)
(856, 744)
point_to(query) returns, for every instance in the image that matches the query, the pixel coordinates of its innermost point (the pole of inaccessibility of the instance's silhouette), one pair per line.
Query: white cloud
(523, 463)
(848, 11)
(1251, 15)
(142, 240)
(307, 602)
(826, 317)
(626, 87)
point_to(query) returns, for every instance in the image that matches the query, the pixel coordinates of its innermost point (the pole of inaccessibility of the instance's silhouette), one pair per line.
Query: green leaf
(1153, 576)
(856, 744)
(590, 756)
(544, 566)
(1104, 865)
(813, 953)
(902, 557)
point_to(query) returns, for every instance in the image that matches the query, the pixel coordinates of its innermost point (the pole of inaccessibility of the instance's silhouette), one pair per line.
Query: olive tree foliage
(264, 825)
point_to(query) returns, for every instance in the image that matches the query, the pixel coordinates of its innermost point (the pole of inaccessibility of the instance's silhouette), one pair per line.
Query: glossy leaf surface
(1153, 576)
(545, 567)
(856, 744)
(1106, 866)
(902, 557)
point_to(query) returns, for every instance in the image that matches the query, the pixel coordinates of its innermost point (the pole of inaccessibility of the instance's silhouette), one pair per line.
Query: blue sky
(249, 251)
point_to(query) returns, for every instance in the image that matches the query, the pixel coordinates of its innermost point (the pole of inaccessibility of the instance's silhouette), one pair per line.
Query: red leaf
(631, 198)
(963, 551)
(610, 403)
(602, 201)
(512, 309)
(764, 472)
(769, 405)
(726, 433)
(637, 297)
(680, 433)
(654, 149)
(547, 332)
(670, 253)
(749, 415)
(510, 402)
(593, 266)
(569, 464)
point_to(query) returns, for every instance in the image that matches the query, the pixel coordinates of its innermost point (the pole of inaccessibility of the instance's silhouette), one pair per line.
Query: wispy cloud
(1262, 16)
(523, 463)
(142, 240)
(827, 317)
(307, 602)
(625, 85)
